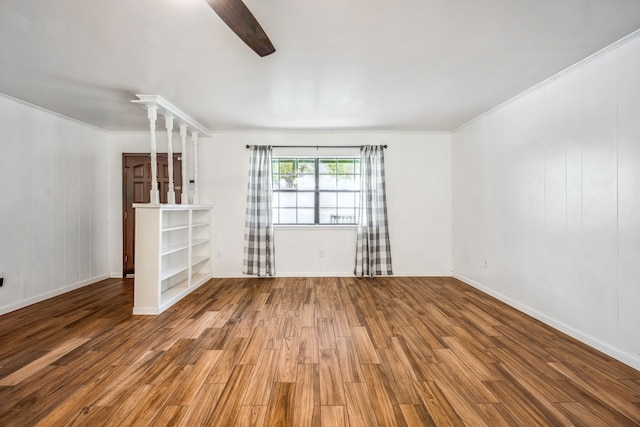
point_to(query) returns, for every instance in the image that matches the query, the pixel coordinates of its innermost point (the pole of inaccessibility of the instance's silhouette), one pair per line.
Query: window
(309, 190)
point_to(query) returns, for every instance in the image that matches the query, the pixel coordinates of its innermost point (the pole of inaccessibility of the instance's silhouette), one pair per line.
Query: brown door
(136, 186)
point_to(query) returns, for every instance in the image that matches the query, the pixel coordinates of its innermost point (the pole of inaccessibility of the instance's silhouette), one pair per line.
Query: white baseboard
(423, 274)
(330, 274)
(626, 358)
(146, 311)
(38, 298)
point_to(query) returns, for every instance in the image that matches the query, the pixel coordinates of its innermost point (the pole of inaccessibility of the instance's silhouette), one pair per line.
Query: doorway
(136, 186)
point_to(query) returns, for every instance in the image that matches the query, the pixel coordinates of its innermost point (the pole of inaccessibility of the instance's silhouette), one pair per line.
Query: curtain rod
(316, 146)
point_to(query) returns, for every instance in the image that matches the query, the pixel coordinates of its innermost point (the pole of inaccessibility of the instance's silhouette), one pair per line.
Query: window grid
(308, 191)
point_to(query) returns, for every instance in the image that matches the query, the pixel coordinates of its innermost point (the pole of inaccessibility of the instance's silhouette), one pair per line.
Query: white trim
(320, 227)
(613, 46)
(166, 108)
(423, 274)
(312, 131)
(39, 298)
(629, 359)
(329, 274)
(146, 311)
(285, 274)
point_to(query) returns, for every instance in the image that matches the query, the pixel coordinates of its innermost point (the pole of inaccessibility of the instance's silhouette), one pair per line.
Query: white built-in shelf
(173, 254)
(197, 242)
(199, 278)
(173, 271)
(176, 228)
(198, 259)
(175, 248)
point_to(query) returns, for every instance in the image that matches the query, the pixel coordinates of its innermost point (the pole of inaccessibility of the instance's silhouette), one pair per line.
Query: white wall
(53, 181)
(545, 189)
(418, 167)
(418, 172)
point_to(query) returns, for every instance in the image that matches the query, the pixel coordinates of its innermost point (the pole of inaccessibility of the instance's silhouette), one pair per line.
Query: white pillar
(194, 139)
(185, 185)
(154, 193)
(171, 192)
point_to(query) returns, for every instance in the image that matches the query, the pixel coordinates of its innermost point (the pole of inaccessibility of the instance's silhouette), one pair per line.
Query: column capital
(152, 112)
(168, 119)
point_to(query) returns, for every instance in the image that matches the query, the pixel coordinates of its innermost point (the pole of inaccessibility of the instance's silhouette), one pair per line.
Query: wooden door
(136, 187)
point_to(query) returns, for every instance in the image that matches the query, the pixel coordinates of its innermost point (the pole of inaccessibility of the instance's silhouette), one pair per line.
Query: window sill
(315, 226)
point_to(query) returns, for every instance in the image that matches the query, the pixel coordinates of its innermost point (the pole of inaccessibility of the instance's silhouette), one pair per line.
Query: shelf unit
(173, 254)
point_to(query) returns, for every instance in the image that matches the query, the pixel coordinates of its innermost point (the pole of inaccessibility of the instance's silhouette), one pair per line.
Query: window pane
(345, 166)
(288, 181)
(327, 182)
(286, 166)
(328, 166)
(346, 200)
(307, 166)
(302, 197)
(288, 199)
(306, 200)
(346, 216)
(328, 200)
(287, 216)
(328, 216)
(305, 216)
(307, 182)
(347, 182)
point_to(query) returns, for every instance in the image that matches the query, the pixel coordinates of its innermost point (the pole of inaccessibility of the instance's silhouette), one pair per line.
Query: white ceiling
(409, 65)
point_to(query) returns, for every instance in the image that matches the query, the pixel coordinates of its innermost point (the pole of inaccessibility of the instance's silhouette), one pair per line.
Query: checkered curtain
(373, 250)
(259, 252)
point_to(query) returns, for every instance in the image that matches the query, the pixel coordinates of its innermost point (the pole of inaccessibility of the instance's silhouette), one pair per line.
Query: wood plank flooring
(303, 352)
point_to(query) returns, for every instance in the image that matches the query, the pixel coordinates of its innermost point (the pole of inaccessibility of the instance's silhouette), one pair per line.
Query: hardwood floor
(303, 351)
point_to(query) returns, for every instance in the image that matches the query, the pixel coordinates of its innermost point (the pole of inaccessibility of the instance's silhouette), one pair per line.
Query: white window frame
(341, 207)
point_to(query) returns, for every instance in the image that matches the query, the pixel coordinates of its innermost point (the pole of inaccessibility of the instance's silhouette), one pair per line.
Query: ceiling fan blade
(242, 22)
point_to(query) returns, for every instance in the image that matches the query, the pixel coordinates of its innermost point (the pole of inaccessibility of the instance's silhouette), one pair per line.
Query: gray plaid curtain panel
(373, 249)
(259, 251)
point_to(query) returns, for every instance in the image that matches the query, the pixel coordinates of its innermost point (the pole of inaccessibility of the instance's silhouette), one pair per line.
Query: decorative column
(156, 105)
(154, 194)
(194, 140)
(185, 184)
(171, 192)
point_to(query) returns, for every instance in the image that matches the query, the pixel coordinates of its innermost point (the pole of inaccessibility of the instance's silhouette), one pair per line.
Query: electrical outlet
(219, 254)
(485, 263)
(321, 253)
